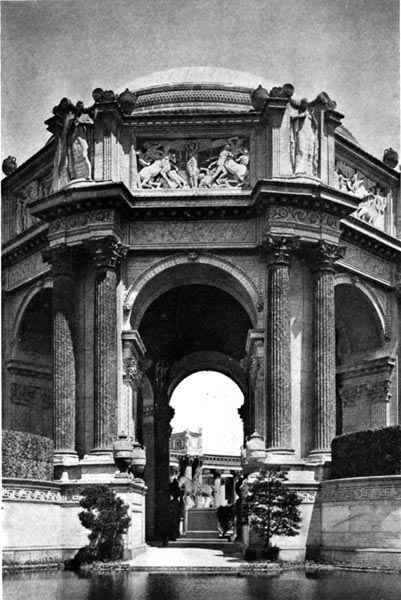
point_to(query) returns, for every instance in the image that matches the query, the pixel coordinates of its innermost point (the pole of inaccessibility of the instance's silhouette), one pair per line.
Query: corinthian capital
(280, 247)
(326, 254)
(107, 253)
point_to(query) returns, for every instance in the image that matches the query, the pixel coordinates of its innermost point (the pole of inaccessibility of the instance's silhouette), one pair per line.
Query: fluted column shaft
(324, 346)
(278, 363)
(63, 352)
(107, 255)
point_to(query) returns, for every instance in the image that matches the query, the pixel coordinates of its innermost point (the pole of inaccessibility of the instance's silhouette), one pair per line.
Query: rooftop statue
(304, 139)
(70, 126)
(9, 165)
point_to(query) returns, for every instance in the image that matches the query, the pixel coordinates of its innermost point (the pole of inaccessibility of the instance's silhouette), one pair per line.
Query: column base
(319, 456)
(65, 458)
(99, 466)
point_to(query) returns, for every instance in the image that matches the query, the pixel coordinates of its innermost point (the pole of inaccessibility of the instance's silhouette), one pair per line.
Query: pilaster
(324, 426)
(134, 367)
(278, 345)
(254, 366)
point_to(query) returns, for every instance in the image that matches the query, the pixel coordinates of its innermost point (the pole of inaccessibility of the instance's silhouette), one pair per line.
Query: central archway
(190, 317)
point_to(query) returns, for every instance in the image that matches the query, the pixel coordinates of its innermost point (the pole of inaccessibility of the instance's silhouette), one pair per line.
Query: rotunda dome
(195, 89)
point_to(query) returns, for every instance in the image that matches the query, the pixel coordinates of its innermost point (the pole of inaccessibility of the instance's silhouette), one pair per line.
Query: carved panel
(355, 493)
(300, 218)
(85, 219)
(368, 263)
(26, 269)
(374, 198)
(193, 163)
(30, 494)
(192, 233)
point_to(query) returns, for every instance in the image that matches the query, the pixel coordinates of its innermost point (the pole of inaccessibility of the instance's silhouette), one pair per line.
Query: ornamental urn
(254, 454)
(259, 97)
(127, 101)
(139, 460)
(123, 453)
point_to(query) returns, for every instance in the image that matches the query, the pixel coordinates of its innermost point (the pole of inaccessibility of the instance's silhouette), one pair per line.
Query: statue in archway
(195, 492)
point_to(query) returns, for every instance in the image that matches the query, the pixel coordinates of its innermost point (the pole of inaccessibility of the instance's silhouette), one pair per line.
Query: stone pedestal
(278, 344)
(324, 426)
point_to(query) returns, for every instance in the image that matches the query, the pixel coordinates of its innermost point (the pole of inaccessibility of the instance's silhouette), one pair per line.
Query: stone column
(63, 355)
(278, 345)
(254, 366)
(107, 256)
(324, 410)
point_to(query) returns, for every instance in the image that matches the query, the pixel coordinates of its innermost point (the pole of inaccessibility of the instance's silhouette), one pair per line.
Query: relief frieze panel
(193, 233)
(375, 199)
(193, 163)
(367, 263)
(26, 269)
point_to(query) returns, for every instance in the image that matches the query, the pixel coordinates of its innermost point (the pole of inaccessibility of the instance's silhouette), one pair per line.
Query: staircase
(202, 533)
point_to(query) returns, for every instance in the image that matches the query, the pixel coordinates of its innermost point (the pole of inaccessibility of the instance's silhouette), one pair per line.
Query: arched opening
(31, 368)
(209, 401)
(361, 368)
(186, 328)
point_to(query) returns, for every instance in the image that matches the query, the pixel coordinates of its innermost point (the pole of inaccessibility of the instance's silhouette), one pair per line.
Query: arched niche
(364, 370)
(30, 393)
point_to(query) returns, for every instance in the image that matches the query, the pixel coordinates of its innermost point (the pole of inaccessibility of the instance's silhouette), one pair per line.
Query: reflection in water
(291, 585)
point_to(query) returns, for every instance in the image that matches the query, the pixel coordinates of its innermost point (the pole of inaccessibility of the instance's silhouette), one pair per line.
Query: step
(202, 533)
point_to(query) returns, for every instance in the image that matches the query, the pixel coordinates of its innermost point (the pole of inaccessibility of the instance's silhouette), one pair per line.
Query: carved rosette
(279, 342)
(107, 255)
(63, 350)
(324, 345)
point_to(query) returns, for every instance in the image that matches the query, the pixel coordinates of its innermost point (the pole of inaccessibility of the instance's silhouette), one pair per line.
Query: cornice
(36, 164)
(369, 238)
(365, 159)
(194, 118)
(24, 244)
(305, 193)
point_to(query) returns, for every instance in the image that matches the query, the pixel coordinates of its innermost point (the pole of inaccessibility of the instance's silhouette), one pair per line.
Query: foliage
(367, 453)
(26, 456)
(272, 507)
(106, 516)
(225, 518)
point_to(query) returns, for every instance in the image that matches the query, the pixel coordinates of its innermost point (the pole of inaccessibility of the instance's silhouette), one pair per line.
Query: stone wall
(40, 519)
(358, 521)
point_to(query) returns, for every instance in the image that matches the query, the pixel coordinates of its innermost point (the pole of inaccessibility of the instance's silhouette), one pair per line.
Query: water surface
(290, 585)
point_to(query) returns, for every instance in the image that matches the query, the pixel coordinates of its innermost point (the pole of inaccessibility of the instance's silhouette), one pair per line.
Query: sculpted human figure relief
(183, 164)
(304, 139)
(373, 203)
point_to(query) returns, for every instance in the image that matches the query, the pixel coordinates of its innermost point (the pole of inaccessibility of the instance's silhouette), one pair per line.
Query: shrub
(272, 507)
(225, 518)
(106, 516)
(250, 553)
(367, 453)
(26, 456)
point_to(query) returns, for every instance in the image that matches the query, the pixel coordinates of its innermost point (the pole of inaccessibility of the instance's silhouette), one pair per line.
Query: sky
(209, 401)
(57, 48)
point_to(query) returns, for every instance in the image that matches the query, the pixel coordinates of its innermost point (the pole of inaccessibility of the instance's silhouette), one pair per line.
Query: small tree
(272, 508)
(106, 516)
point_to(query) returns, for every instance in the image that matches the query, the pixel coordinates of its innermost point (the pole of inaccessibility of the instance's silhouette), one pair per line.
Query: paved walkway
(185, 559)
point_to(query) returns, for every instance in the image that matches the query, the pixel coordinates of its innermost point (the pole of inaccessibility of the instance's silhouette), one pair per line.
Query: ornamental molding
(25, 270)
(203, 258)
(279, 248)
(368, 264)
(194, 233)
(350, 492)
(302, 218)
(30, 493)
(86, 219)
